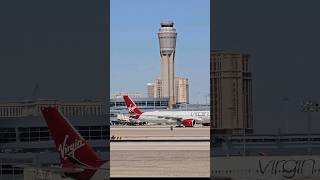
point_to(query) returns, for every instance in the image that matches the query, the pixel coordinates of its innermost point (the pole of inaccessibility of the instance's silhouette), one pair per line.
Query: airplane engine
(188, 122)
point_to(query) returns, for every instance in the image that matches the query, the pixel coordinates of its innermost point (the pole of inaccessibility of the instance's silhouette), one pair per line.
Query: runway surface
(163, 133)
(160, 159)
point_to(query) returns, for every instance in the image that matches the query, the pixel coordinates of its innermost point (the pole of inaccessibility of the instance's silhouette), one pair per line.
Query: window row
(141, 103)
(69, 110)
(7, 135)
(9, 169)
(83, 110)
(42, 134)
(10, 111)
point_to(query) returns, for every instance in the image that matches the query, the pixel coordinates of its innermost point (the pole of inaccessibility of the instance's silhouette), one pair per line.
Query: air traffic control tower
(167, 40)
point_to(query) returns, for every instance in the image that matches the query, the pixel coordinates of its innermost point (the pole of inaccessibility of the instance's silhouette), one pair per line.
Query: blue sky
(134, 46)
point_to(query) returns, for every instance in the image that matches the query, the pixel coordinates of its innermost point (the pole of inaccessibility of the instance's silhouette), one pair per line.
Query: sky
(282, 38)
(134, 46)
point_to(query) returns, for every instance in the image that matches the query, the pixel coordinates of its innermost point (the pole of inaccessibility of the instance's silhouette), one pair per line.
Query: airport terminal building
(24, 136)
(142, 103)
(117, 105)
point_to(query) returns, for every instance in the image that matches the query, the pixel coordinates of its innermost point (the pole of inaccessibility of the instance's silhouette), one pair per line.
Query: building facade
(231, 88)
(167, 42)
(142, 103)
(155, 89)
(181, 90)
(151, 90)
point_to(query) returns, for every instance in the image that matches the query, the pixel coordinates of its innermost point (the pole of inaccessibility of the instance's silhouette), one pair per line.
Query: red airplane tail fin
(134, 111)
(68, 141)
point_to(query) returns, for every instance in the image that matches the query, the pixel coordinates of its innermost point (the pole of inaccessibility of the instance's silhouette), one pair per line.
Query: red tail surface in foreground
(73, 149)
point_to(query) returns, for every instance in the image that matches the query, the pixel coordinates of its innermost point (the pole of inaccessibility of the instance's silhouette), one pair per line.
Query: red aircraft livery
(185, 118)
(78, 159)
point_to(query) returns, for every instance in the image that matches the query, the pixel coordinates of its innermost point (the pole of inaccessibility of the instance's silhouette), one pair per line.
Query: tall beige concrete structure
(181, 90)
(154, 89)
(151, 89)
(231, 90)
(167, 41)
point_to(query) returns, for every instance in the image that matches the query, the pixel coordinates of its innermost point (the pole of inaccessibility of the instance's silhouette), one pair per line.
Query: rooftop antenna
(35, 92)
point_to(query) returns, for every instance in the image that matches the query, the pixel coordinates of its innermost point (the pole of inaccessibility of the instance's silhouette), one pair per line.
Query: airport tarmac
(160, 133)
(160, 159)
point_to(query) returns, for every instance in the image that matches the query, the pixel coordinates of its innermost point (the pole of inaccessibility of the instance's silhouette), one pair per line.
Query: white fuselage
(169, 117)
(266, 167)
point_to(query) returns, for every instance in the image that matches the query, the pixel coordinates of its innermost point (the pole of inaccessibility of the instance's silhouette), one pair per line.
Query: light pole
(286, 116)
(207, 96)
(308, 107)
(244, 140)
(244, 127)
